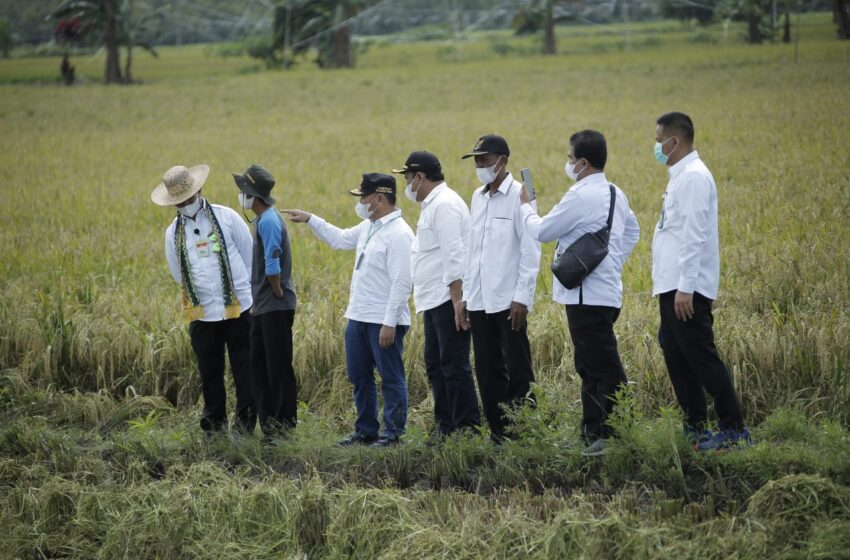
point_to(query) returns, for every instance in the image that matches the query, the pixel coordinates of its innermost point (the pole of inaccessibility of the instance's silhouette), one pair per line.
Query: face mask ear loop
(496, 173)
(249, 220)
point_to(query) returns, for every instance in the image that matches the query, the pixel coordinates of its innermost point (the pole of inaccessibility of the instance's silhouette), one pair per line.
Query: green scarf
(192, 308)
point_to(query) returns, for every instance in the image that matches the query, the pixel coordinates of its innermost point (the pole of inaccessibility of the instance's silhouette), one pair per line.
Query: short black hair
(590, 145)
(434, 176)
(679, 122)
(390, 198)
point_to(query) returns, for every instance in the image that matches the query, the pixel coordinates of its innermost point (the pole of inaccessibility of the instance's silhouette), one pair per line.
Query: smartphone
(528, 183)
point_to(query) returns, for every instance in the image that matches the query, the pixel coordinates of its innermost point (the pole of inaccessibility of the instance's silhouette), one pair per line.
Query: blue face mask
(659, 152)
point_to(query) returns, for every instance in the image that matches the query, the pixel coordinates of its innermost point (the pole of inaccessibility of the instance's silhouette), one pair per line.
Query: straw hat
(179, 184)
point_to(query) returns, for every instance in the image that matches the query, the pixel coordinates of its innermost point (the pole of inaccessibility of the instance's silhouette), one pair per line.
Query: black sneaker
(356, 438)
(386, 441)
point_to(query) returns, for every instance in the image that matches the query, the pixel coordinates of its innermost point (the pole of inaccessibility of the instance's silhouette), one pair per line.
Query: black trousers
(597, 363)
(209, 339)
(449, 372)
(272, 376)
(502, 365)
(694, 365)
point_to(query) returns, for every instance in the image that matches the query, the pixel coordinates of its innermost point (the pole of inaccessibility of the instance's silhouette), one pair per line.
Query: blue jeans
(362, 356)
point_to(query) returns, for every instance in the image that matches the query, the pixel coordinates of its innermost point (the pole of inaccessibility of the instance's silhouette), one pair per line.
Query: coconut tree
(113, 24)
(321, 24)
(841, 15)
(537, 15)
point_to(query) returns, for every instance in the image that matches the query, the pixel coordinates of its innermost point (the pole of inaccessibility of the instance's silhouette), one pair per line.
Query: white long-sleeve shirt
(438, 255)
(503, 259)
(206, 274)
(686, 246)
(584, 209)
(380, 283)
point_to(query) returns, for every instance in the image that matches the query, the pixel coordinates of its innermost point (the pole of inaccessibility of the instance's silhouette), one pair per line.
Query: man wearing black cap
(439, 258)
(498, 288)
(377, 313)
(273, 378)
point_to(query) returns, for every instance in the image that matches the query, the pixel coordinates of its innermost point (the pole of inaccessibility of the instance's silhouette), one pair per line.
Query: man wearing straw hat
(208, 249)
(272, 375)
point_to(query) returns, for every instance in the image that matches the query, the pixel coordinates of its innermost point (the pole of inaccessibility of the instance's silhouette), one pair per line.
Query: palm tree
(116, 26)
(842, 18)
(301, 25)
(543, 14)
(322, 24)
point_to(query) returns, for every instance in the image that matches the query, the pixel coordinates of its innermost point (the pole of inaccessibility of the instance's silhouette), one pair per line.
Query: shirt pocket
(502, 229)
(427, 239)
(669, 211)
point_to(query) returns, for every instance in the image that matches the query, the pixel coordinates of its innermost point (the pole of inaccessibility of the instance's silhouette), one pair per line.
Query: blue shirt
(269, 229)
(271, 256)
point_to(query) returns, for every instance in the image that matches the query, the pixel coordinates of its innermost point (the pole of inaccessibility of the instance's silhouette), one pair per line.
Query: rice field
(100, 454)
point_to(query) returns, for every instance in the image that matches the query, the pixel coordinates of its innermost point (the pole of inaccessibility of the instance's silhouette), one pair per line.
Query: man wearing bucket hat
(272, 374)
(498, 289)
(208, 249)
(377, 313)
(437, 264)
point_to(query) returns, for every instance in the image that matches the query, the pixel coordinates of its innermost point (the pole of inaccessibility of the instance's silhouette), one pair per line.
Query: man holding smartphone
(498, 287)
(594, 306)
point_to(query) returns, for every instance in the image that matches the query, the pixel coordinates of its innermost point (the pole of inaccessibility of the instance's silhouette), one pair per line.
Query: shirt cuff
(526, 210)
(523, 298)
(390, 321)
(449, 278)
(686, 285)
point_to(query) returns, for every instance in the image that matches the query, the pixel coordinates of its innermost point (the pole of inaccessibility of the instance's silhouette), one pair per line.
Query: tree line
(285, 31)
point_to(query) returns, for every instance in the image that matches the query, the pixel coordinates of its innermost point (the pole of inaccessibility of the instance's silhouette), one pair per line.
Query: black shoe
(356, 438)
(386, 441)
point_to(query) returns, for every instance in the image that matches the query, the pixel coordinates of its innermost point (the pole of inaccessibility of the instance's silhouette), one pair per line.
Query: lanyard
(373, 230)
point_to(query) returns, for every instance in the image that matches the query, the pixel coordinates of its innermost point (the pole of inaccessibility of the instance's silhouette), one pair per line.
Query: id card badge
(203, 247)
(359, 261)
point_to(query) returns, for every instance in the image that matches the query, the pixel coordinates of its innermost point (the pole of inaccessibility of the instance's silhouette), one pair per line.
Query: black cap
(489, 144)
(425, 162)
(375, 183)
(256, 181)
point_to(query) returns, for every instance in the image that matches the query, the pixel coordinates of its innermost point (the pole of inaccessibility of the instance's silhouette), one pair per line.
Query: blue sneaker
(724, 439)
(696, 436)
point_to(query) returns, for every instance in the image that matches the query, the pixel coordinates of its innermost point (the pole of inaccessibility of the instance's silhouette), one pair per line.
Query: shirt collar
(434, 192)
(677, 169)
(591, 179)
(389, 217)
(503, 187)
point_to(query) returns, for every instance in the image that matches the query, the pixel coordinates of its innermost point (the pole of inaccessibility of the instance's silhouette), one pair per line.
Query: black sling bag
(580, 259)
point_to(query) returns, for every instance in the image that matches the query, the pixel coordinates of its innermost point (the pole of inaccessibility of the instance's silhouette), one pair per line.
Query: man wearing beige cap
(208, 249)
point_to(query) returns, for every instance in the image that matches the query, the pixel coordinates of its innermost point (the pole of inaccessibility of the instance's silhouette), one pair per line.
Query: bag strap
(611, 207)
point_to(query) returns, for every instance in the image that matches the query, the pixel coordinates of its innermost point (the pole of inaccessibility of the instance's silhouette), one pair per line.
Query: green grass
(100, 454)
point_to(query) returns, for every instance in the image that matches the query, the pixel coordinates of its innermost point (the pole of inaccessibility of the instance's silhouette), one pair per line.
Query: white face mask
(362, 211)
(246, 201)
(570, 169)
(487, 174)
(192, 209)
(410, 193)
